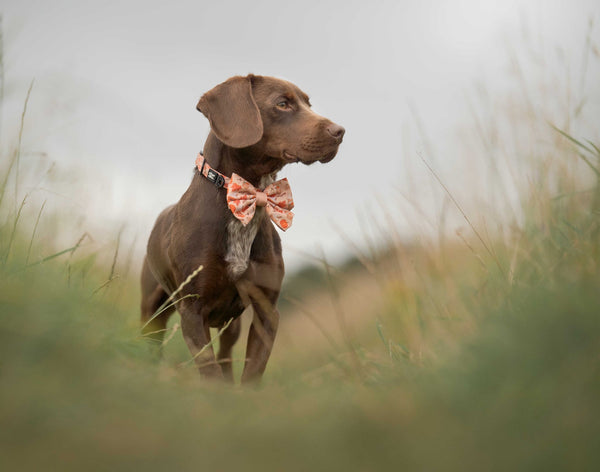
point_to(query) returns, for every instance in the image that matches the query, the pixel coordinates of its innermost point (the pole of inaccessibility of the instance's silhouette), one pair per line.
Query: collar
(214, 176)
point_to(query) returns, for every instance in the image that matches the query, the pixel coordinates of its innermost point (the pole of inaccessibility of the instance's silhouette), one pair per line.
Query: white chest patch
(240, 238)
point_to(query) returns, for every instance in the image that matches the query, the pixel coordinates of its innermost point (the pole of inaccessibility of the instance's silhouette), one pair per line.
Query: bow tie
(243, 198)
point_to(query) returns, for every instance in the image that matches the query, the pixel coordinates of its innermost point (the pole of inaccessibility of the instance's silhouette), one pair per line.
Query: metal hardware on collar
(212, 175)
(215, 178)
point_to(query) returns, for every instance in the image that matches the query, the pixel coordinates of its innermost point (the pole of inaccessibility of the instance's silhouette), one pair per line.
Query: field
(471, 351)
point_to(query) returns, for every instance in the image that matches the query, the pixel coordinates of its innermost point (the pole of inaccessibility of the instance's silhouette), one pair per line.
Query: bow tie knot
(261, 199)
(243, 198)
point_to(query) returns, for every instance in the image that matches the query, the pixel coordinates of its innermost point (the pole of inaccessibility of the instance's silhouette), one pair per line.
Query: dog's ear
(232, 112)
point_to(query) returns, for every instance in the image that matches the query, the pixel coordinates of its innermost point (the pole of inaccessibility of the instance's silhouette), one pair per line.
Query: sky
(116, 85)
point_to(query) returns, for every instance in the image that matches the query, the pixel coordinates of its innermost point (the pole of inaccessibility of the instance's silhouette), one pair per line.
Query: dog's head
(273, 115)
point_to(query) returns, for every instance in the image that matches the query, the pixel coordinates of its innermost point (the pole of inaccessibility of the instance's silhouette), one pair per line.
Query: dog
(203, 258)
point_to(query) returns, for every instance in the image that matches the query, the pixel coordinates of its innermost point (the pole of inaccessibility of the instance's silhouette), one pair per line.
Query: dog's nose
(336, 131)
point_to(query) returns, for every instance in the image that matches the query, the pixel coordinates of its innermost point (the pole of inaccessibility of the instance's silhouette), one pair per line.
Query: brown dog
(258, 125)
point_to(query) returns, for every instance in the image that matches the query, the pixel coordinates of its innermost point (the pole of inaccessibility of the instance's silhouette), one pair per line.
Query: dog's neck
(249, 163)
(257, 169)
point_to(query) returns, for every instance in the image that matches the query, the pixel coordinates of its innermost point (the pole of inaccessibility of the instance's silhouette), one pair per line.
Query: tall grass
(474, 352)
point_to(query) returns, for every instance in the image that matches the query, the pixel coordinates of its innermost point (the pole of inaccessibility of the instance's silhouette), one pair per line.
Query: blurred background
(441, 304)
(116, 85)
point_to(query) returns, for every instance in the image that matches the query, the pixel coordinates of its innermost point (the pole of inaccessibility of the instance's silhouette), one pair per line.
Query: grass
(474, 352)
(80, 391)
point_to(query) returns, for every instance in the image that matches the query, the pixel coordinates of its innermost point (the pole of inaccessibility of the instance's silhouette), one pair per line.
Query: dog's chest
(240, 238)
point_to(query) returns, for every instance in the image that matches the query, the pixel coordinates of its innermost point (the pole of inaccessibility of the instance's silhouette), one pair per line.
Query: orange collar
(211, 174)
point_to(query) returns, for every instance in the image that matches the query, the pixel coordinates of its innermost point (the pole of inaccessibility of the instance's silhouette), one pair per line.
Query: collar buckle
(215, 178)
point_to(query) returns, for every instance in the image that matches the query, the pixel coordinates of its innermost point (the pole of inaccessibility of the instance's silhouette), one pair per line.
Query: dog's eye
(283, 105)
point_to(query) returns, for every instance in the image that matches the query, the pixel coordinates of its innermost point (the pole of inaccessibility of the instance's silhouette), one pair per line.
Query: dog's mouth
(289, 157)
(292, 158)
(328, 157)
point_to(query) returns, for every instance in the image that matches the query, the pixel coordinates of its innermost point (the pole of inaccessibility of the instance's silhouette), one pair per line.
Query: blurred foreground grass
(476, 361)
(480, 352)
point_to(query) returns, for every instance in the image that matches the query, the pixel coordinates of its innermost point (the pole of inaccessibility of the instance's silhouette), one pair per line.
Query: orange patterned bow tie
(243, 197)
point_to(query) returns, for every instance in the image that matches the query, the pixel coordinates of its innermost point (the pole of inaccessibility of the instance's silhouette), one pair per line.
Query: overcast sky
(116, 84)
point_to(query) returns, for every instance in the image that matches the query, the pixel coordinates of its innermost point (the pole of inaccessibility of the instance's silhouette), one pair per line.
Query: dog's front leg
(260, 343)
(196, 333)
(262, 330)
(228, 338)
